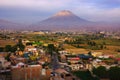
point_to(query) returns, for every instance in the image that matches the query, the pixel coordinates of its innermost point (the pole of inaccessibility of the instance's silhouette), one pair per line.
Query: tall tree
(20, 45)
(51, 48)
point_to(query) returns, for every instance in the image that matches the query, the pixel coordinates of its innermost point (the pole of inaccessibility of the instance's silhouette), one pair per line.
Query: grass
(72, 49)
(109, 49)
(112, 42)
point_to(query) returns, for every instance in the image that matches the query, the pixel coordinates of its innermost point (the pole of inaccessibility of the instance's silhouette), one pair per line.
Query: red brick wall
(29, 73)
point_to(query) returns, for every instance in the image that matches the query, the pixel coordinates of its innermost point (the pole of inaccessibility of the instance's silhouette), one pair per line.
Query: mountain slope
(4, 24)
(63, 19)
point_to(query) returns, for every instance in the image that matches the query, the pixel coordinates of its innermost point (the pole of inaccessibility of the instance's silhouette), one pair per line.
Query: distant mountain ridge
(66, 20)
(5, 24)
(63, 20)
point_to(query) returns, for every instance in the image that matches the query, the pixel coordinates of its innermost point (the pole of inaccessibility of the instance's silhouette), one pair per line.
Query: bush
(114, 73)
(85, 75)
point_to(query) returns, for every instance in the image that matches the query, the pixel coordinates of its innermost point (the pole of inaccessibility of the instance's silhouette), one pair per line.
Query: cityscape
(59, 40)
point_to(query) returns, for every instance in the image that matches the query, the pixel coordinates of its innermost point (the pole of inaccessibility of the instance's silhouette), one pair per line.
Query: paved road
(55, 61)
(56, 65)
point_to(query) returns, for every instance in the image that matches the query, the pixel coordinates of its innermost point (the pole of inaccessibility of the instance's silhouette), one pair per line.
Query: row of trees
(90, 44)
(93, 45)
(113, 73)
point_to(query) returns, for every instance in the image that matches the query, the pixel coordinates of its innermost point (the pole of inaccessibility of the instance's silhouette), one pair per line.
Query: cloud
(104, 3)
(95, 10)
(35, 4)
(96, 14)
(54, 4)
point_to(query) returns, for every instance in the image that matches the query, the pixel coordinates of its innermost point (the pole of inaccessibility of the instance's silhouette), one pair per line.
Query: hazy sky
(28, 11)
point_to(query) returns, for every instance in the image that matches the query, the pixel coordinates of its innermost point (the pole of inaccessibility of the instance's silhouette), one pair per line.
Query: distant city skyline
(31, 11)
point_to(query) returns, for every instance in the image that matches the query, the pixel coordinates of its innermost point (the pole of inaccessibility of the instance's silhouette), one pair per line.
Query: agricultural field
(3, 43)
(73, 43)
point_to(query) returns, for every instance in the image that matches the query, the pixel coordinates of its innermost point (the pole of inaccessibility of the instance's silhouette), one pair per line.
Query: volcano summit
(62, 20)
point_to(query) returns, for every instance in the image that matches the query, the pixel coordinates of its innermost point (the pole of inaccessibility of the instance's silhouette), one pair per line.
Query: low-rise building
(30, 72)
(4, 63)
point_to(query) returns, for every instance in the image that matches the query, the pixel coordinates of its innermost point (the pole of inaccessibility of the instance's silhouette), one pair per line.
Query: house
(4, 63)
(72, 59)
(30, 72)
(75, 67)
(84, 56)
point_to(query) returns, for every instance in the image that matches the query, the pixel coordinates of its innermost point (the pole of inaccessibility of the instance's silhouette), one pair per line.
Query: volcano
(62, 20)
(65, 17)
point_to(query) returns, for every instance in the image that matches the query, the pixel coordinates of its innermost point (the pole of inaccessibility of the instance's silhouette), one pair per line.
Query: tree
(60, 47)
(51, 48)
(8, 48)
(90, 53)
(114, 73)
(29, 43)
(100, 72)
(20, 45)
(85, 75)
(14, 48)
(91, 43)
(8, 57)
(66, 41)
(1, 49)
